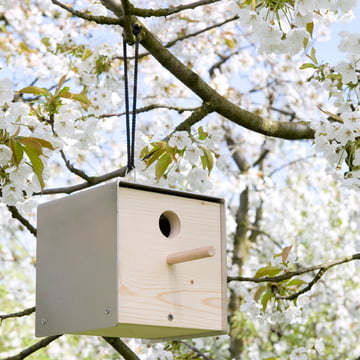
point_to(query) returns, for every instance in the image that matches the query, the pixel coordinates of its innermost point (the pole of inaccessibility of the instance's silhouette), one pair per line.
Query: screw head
(107, 311)
(43, 321)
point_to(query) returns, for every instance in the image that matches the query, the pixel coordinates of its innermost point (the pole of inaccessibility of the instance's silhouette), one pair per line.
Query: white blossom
(347, 71)
(293, 314)
(180, 140)
(319, 346)
(5, 155)
(198, 180)
(299, 354)
(6, 94)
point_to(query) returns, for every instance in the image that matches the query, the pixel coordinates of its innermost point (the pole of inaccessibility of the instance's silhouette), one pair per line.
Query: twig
(196, 33)
(16, 215)
(104, 20)
(94, 180)
(194, 349)
(25, 312)
(308, 287)
(73, 169)
(147, 108)
(33, 348)
(290, 163)
(290, 274)
(171, 10)
(121, 348)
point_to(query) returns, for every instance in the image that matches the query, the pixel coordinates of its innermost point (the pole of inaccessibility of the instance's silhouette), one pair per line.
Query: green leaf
(81, 98)
(36, 163)
(267, 271)
(171, 152)
(34, 90)
(61, 83)
(307, 66)
(310, 28)
(265, 299)
(259, 291)
(161, 166)
(313, 55)
(296, 282)
(145, 151)
(285, 253)
(209, 161)
(35, 141)
(32, 143)
(202, 134)
(17, 151)
(155, 155)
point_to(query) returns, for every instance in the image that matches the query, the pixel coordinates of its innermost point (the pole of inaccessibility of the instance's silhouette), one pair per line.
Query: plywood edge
(223, 266)
(163, 190)
(149, 332)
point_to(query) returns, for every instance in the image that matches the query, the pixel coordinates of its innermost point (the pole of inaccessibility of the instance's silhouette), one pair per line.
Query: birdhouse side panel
(76, 262)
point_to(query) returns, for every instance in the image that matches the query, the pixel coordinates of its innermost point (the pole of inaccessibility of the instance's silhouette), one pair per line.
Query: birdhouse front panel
(154, 263)
(187, 294)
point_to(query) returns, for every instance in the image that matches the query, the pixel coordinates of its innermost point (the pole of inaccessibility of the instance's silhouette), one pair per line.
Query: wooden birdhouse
(130, 260)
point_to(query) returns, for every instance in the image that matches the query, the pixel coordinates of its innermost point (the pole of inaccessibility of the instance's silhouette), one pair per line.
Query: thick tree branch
(25, 312)
(33, 348)
(16, 215)
(286, 130)
(251, 121)
(121, 348)
(291, 274)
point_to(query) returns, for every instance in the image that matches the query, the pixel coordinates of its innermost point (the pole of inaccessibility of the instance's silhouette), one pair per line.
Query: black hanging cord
(130, 128)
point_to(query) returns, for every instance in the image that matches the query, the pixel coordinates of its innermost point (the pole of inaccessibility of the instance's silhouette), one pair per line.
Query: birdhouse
(130, 260)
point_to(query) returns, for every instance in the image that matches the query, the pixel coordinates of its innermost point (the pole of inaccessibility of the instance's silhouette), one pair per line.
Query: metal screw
(43, 321)
(107, 311)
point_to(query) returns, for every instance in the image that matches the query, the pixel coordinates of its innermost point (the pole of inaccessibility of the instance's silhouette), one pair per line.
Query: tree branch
(103, 20)
(73, 169)
(121, 348)
(147, 108)
(196, 33)
(93, 181)
(25, 312)
(290, 163)
(308, 287)
(286, 130)
(33, 348)
(171, 10)
(16, 215)
(194, 350)
(290, 274)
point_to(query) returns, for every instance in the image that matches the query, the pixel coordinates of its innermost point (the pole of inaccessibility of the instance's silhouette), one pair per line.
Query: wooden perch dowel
(190, 255)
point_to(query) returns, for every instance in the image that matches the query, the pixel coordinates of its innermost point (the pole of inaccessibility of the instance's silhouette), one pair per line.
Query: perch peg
(189, 255)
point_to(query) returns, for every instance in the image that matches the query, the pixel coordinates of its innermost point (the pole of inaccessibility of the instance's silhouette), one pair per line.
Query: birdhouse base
(155, 333)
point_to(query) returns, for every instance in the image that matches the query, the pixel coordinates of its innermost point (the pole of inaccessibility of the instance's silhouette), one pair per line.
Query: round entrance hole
(169, 224)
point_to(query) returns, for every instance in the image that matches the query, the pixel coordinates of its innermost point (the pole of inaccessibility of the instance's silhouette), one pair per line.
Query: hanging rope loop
(131, 125)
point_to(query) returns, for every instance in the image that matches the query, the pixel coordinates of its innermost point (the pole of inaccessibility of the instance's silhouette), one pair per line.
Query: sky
(327, 51)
